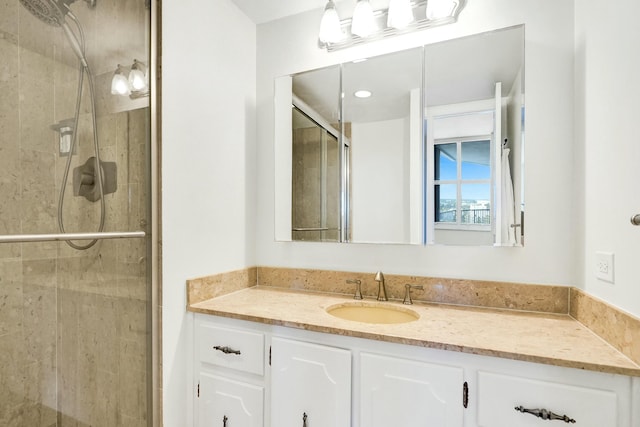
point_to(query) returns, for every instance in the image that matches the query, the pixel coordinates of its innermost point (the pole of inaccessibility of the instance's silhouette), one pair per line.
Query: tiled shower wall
(73, 324)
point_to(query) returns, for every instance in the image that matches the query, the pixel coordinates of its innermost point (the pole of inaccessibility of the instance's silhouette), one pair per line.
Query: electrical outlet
(604, 266)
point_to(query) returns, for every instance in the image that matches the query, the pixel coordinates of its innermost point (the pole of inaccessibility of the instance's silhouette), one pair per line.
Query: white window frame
(459, 181)
(432, 114)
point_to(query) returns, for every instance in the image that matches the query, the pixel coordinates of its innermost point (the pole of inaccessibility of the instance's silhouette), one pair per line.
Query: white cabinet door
(310, 385)
(499, 395)
(400, 392)
(227, 403)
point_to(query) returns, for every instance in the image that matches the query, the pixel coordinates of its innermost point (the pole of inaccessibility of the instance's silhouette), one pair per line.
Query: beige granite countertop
(554, 339)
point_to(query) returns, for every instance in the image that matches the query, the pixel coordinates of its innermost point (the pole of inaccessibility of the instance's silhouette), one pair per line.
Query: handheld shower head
(50, 12)
(54, 12)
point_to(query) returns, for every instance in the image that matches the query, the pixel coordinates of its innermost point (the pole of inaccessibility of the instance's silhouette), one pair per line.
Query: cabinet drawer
(499, 395)
(231, 348)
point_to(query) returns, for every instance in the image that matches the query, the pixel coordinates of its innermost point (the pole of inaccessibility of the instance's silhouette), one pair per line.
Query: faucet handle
(357, 282)
(407, 294)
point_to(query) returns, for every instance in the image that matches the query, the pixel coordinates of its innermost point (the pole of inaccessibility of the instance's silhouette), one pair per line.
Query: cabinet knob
(635, 219)
(545, 414)
(226, 350)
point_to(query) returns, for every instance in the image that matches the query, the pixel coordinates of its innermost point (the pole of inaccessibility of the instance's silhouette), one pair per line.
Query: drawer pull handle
(224, 421)
(304, 419)
(545, 415)
(226, 350)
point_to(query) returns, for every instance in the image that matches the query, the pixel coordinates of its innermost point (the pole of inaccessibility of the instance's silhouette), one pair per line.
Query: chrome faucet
(407, 294)
(357, 282)
(382, 291)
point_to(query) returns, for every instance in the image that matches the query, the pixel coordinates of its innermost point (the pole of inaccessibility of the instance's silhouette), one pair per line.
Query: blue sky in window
(469, 192)
(471, 171)
(475, 171)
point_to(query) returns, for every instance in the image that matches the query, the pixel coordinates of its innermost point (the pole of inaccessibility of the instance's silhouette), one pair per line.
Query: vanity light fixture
(138, 76)
(120, 82)
(131, 81)
(401, 17)
(363, 23)
(400, 14)
(439, 9)
(330, 29)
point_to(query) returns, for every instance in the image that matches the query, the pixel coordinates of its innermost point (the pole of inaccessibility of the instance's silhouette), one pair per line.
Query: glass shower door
(75, 322)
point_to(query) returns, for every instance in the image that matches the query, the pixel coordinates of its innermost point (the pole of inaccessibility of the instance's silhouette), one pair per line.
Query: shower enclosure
(76, 288)
(315, 205)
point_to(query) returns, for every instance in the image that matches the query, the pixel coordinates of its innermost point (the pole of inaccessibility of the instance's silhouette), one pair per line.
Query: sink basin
(373, 313)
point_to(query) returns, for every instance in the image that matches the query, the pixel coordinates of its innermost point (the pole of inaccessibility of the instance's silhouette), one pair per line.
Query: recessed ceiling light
(362, 94)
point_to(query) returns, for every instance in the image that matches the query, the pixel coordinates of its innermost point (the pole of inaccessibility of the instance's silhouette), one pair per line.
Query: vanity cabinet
(252, 374)
(310, 384)
(229, 373)
(409, 393)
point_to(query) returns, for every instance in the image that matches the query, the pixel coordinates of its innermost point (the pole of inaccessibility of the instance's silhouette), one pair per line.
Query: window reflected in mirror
(463, 184)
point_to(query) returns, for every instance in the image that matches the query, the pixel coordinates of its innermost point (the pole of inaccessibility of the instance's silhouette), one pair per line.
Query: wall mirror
(421, 146)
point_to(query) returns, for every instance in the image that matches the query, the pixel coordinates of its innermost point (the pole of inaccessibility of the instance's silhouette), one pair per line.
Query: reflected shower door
(316, 182)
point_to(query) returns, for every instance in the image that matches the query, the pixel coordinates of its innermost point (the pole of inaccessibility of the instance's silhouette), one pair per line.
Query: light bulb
(330, 30)
(363, 23)
(137, 78)
(119, 82)
(438, 9)
(400, 14)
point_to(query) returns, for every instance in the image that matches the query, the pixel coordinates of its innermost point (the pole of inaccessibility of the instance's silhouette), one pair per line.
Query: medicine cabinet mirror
(421, 146)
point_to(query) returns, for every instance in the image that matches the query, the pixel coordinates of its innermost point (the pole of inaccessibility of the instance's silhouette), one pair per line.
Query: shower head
(50, 12)
(54, 12)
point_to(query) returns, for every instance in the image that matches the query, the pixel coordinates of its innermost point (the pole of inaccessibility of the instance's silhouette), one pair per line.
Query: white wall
(289, 45)
(379, 163)
(210, 155)
(208, 163)
(608, 146)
